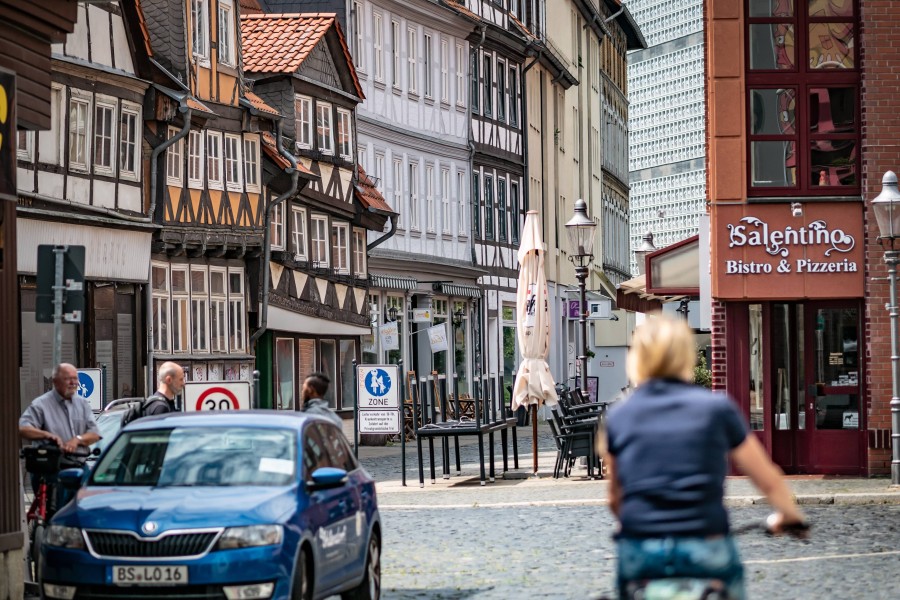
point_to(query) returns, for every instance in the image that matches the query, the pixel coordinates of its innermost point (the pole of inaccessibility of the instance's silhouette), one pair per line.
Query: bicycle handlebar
(799, 530)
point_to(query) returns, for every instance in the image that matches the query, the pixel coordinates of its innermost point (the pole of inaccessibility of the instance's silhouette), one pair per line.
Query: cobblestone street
(567, 552)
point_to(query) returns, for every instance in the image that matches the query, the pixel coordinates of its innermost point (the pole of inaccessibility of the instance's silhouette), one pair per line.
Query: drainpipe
(267, 248)
(614, 15)
(385, 237)
(154, 181)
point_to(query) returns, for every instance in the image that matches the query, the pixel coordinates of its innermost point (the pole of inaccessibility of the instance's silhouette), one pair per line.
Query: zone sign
(216, 395)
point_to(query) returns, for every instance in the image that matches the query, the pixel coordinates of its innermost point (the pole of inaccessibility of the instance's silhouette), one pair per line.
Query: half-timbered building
(318, 306)
(214, 156)
(81, 183)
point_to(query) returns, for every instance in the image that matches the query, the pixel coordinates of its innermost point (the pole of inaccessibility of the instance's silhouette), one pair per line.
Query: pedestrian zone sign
(90, 388)
(378, 398)
(216, 395)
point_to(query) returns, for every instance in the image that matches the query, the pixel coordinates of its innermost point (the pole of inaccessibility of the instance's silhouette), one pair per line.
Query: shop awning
(392, 282)
(281, 319)
(457, 289)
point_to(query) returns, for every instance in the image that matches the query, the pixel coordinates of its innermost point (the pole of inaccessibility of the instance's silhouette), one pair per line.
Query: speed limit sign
(216, 395)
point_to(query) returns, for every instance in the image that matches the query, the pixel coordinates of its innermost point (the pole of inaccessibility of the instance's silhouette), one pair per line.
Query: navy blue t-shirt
(670, 440)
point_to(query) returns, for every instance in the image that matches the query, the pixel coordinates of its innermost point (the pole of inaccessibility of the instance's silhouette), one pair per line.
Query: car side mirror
(71, 478)
(325, 478)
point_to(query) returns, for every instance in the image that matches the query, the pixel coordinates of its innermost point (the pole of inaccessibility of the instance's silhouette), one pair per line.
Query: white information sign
(378, 398)
(421, 315)
(390, 336)
(379, 421)
(216, 395)
(90, 388)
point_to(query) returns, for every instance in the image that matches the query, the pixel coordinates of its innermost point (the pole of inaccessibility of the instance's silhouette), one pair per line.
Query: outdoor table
(455, 429)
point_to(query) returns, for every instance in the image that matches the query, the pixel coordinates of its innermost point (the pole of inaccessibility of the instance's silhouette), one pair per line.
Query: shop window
(306, 358)
(284, 373)
(837, 368)
(460, 348)
(329, 366)
(396, 302)
(757, 373)
(803, 86)
(348, 355)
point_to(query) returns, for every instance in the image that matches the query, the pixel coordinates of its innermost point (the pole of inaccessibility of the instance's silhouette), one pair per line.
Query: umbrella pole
(534, 440)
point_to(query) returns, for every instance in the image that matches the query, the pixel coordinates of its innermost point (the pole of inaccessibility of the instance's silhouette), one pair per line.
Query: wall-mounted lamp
(458, 317)
(392, 313)
(796, 209)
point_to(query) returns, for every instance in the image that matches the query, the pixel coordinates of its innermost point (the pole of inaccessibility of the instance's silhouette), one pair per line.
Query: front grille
(184, 592)
(127, 545)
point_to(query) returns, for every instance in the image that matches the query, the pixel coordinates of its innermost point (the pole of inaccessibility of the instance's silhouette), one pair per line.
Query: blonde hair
(661, 347)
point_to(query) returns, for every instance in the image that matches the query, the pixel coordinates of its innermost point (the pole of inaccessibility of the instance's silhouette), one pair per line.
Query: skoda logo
(149, 527)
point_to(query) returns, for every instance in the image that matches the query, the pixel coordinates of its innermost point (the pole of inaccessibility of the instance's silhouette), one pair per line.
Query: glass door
(832, 404)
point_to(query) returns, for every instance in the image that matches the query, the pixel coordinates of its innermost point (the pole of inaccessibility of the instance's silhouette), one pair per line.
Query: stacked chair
(574, 423)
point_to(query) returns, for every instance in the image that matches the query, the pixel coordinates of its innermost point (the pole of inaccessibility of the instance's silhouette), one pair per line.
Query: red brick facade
(880, 153)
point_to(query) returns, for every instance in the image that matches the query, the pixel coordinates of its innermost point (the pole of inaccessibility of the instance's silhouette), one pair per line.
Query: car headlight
(64, 537)
(252, 535)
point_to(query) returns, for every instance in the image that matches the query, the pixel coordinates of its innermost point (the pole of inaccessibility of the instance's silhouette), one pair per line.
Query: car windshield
(200, 456)
(109, 424)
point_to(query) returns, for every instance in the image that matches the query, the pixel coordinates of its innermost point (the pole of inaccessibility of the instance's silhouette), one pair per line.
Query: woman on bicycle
(667, 451)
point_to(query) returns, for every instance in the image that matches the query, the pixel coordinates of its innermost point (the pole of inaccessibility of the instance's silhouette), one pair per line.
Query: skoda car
(218, 505)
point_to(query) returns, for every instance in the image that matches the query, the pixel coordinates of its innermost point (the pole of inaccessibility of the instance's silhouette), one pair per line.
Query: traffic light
(72, 279)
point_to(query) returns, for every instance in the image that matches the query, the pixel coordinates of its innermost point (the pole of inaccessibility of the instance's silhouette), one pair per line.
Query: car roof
(274, 419)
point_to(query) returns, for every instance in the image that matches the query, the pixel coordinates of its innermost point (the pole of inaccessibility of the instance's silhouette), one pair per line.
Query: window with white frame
(379, 172)
(298, 232)
(345, 134)
(378, 42)
(514, 211)
(501, 209)
(226, 32)
(303, 107)
(359, 253)
(237, 324)
(52, 141)
(426, 56)
(340, 244)
(199, 310)
(174, 159)
(195, 159)
(501, 91)
(461, 206)
(358, 31)
(414, 195)
(233, 165)
(431, 215)
(445, 200)
(218, 310)
(25, 145)
(276, 227)
(181, 317)
(398, 191)
(460, 75)
(200, 29)
(362, 157)
(79, 109)
(251, 162)
(319, 241)
(214, 159)
(445, 71)
(130, 142)
(488, 83)
(324, 137)
(160, 309)
(395, 50)
(488, 207)
(513, 84)
(104, 136)
(412, 60)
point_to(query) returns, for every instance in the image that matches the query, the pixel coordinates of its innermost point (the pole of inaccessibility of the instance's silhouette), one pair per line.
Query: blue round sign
(85, 385)
(378, 382)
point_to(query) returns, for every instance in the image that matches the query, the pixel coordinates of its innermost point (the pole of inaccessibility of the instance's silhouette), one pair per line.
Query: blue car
(218, 505)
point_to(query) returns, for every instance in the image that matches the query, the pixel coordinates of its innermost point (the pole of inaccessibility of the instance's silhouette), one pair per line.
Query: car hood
(178, 507)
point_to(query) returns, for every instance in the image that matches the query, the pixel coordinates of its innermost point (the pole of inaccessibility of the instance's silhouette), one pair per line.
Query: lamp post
(646, 248)
(581, 237)
(886, 207)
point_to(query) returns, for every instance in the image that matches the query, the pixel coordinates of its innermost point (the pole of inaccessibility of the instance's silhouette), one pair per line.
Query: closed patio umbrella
(534, 383)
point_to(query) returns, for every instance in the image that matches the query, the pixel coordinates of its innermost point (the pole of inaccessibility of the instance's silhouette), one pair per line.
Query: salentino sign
(763, 252)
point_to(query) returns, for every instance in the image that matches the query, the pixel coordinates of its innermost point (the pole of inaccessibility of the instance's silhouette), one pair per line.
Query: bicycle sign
(216, 395)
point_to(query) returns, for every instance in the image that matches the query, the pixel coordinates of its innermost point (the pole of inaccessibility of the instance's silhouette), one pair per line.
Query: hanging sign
(421, 315)
(390, 336)
(437, 336)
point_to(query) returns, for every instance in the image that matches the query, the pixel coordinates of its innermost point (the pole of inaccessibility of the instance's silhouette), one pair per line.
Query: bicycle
(41, 460)
(702, 588)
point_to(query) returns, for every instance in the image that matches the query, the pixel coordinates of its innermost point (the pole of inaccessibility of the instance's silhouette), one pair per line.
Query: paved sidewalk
(521, 488)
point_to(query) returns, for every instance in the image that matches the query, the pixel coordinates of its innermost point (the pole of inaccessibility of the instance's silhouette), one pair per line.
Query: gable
(319, 66)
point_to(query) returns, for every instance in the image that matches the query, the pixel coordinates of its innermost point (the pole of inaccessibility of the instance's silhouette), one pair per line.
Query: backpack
(138, 408)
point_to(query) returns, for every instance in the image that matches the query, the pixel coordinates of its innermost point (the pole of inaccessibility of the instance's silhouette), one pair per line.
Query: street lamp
(886, 207)
(646, 248)
(581, 238)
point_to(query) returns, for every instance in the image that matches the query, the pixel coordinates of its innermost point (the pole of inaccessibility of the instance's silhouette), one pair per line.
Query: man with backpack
(162, 401)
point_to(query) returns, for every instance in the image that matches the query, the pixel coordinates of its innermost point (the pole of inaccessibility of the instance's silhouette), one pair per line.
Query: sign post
(378, 401)
(60, 285)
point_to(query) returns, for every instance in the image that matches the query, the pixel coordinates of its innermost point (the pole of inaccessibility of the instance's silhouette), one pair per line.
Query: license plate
(149, 575)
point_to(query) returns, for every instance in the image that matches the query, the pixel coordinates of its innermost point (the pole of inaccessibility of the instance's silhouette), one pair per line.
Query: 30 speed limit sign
(216, 395)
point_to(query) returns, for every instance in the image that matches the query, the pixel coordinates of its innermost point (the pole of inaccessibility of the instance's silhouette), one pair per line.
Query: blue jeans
(692, 557)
